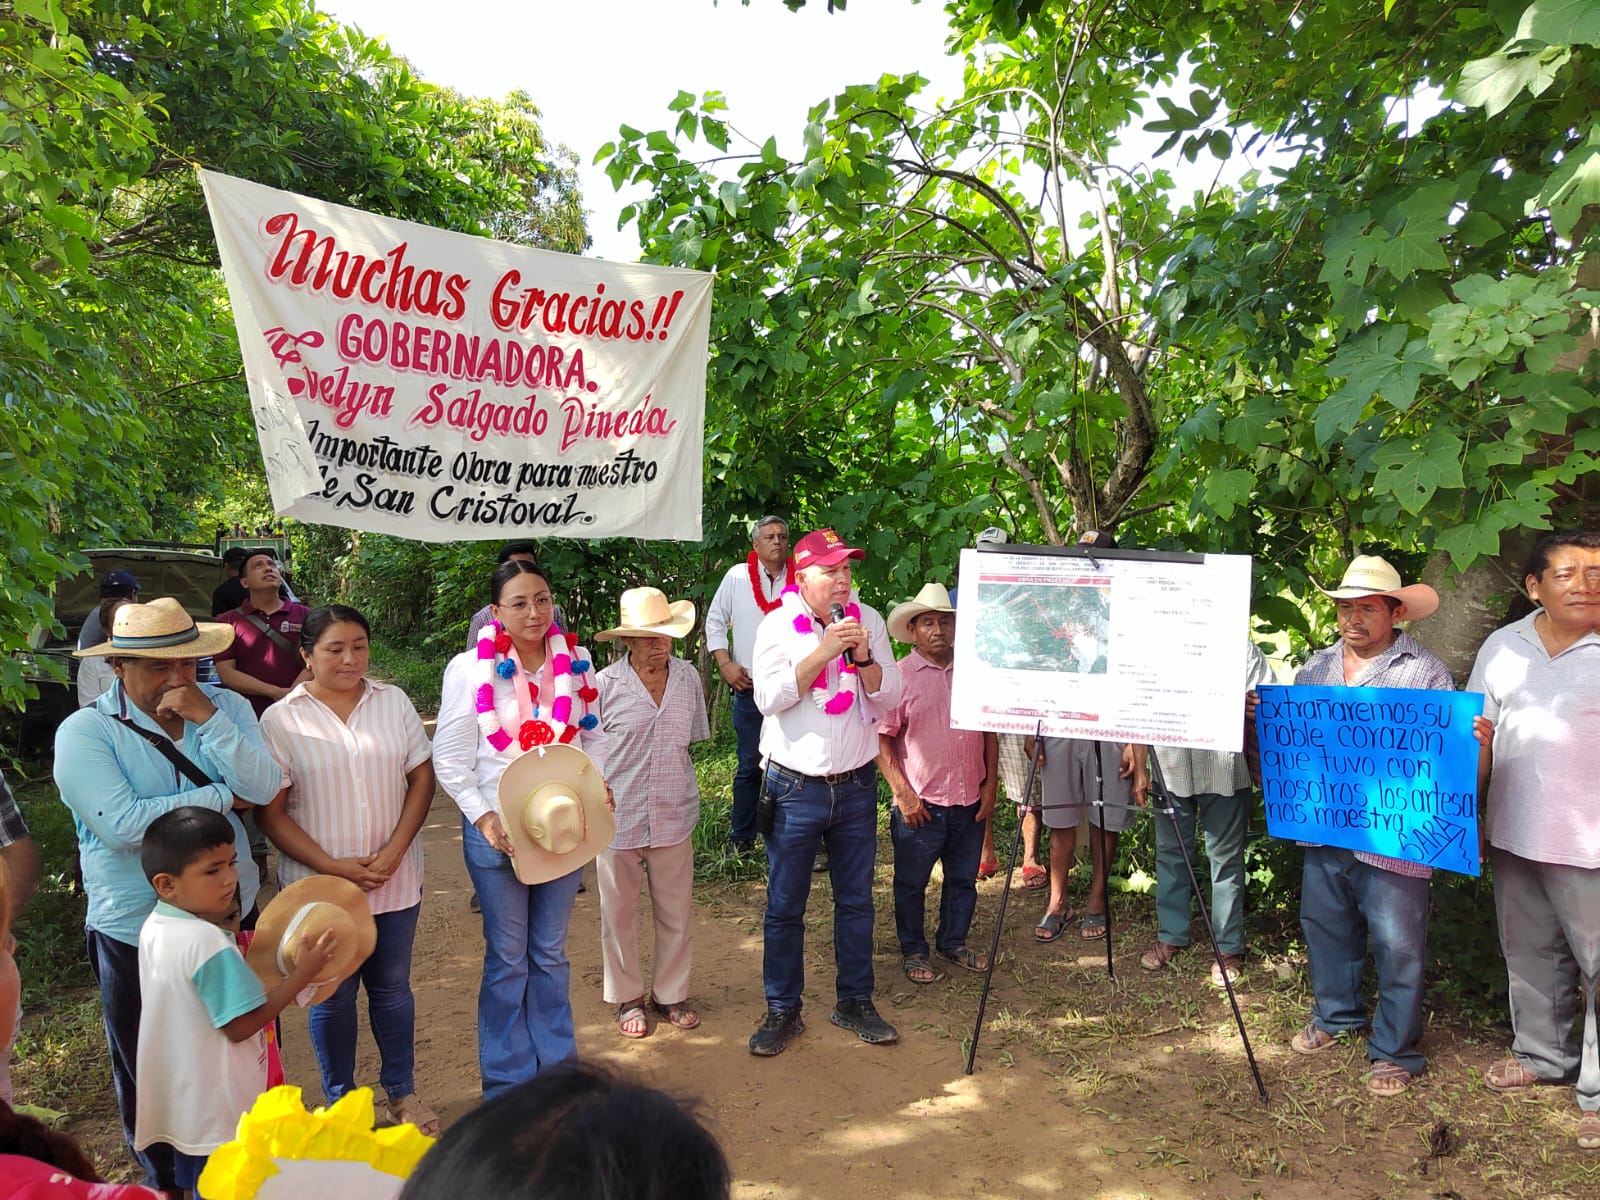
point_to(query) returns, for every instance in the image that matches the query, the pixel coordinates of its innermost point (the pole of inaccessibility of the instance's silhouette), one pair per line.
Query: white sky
(593, 65)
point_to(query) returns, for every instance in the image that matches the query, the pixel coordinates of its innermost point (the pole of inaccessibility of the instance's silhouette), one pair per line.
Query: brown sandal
(678, 1015)
(410, 1110)
(632, 1013)
(1387, 1078)
(1509, 1075)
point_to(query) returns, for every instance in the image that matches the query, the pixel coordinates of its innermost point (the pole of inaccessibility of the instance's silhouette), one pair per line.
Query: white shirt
(1546, 712)
(194, 1083)
(95, 678)
(799, 735)
(347, 780)
(735, 604)
(468, 768)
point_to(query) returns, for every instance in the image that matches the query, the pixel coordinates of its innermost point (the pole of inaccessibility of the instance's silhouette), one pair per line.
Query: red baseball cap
(822, 548)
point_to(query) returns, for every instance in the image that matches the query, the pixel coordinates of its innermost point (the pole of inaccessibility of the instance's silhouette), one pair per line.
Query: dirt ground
(1083, 1086)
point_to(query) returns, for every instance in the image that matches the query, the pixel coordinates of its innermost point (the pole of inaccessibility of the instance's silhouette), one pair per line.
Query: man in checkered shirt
(1349, 897)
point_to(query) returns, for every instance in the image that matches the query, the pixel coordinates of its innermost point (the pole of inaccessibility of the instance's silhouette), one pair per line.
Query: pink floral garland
(494, 645)
(839, 701)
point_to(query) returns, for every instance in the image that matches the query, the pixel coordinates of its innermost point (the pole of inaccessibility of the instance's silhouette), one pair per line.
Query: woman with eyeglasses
(527, 683)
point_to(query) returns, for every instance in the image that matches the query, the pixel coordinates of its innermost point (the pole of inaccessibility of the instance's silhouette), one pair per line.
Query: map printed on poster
(1124, 646)
(444, 387)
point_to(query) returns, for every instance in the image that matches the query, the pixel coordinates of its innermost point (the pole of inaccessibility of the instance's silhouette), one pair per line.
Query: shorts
(1070, 787)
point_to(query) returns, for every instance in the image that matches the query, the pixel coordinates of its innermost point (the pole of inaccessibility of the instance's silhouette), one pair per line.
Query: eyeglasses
(519, 606)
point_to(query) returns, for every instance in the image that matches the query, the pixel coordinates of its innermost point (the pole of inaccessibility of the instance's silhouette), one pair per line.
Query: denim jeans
(524, 1011)
(391, 1011)
(747, 775)
(951, 835)
(1344, 903)
(115, 966)
(1224, 819)
(842, 816)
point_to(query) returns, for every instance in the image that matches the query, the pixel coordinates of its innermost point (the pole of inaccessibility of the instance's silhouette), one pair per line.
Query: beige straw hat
(553, 805)
(313, 905)
(646, 612)
(160, 629)
(1369, 575)
(932, 598)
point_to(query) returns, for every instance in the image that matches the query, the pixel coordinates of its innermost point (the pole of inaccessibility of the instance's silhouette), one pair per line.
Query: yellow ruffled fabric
(278, 1128)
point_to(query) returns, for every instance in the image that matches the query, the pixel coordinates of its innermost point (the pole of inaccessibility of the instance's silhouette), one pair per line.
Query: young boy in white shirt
(202, 1052)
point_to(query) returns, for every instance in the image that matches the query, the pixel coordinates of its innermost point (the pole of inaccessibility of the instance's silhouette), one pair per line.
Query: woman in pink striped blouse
(357, 783)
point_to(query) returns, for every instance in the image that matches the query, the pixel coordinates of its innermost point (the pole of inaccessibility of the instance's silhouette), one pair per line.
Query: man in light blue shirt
(139, 751)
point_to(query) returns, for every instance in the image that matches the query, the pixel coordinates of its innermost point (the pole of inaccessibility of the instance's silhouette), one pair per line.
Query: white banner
(444, 387)
(1120, 647)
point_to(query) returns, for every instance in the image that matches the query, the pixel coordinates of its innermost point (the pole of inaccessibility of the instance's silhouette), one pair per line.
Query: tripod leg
(1211, 933)
(1005, 899)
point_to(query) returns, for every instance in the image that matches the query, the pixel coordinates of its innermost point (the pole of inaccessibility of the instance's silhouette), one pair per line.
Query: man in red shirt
(943, 781)
(264, 661)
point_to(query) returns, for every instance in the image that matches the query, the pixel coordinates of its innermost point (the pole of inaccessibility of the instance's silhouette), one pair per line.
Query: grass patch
(413, 667)
(51, 953)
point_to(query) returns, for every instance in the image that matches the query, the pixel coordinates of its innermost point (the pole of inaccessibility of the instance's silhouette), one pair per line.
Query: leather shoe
(862, 1019)
(779, 1025)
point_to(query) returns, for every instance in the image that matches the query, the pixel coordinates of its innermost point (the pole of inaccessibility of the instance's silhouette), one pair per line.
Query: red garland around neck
(752, 567)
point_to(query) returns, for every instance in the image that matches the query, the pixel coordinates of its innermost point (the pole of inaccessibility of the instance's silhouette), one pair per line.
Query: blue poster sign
(1392, 771)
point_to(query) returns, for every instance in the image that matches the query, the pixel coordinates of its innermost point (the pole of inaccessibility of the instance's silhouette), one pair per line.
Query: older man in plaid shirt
(1350, 897)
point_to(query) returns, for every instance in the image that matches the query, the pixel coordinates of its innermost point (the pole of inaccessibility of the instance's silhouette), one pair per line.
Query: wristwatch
(857, 664)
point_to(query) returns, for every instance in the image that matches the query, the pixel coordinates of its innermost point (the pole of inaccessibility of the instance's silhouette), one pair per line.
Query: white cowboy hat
(313, 905)
(160, 629)
(646, 613)
(1369, 575)
(932, 598)
(553, 805)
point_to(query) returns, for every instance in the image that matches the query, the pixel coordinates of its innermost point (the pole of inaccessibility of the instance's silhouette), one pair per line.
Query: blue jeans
(524, 1011)
(391, 1011)
(952, 834)
(747, 775)
(1344, 903)
(1224, 819)
(843, 816)
(115, 966)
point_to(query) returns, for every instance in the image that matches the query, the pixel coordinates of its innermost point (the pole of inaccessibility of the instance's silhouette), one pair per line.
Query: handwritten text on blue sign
(1392, 771)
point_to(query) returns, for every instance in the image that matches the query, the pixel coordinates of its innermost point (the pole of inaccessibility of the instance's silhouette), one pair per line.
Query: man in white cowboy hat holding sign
(824, 672)
(155, 742)
(944, 781)
(1351, 897)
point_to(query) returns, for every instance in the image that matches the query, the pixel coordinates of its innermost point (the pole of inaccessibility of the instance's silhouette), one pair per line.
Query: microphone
(835, 613)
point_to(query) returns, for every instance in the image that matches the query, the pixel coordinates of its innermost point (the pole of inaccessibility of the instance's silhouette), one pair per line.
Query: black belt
(837, 777)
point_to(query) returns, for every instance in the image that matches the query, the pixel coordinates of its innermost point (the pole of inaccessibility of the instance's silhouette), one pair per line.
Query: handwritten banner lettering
(1392, 771)
(444, 387)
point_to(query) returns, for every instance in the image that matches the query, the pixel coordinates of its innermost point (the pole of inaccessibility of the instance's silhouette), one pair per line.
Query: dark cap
(235, 555)
(118, 583)
(1097, 539)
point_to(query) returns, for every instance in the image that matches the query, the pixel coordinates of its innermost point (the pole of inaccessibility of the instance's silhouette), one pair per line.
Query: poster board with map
(1120, 645)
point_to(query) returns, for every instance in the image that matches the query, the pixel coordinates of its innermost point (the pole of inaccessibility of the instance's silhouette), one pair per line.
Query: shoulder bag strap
(278, 640)
(181, 761)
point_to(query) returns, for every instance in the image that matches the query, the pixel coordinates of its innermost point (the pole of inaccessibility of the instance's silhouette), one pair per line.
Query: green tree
(1377, 343)
(119, 371)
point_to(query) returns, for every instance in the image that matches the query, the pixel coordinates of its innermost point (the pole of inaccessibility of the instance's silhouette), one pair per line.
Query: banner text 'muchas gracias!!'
(310, 261)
